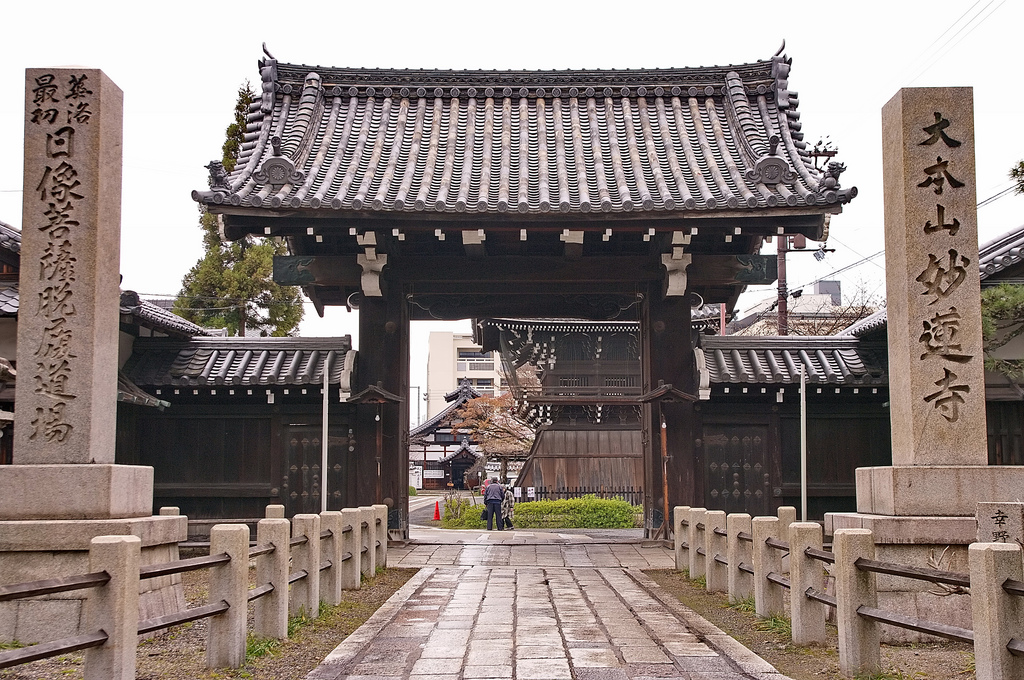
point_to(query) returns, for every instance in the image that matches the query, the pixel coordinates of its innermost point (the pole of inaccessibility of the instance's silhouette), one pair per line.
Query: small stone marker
(67, 327)
(937, 385)
(1001, 523)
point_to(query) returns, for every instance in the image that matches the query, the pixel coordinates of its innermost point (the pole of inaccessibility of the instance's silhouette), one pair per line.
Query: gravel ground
(941, 661)
(179, 654)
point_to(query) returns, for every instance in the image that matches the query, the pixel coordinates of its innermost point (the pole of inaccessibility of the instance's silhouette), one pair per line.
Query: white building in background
(452, 357)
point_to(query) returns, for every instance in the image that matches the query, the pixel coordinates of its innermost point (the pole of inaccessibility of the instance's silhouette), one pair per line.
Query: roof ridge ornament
(278, 170)
(771, 169)
(218, 177)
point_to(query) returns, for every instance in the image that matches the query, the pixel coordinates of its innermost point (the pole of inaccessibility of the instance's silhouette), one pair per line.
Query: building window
(474, 360)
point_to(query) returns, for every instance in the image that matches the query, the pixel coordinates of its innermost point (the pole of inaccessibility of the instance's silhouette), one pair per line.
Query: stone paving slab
(540, 622)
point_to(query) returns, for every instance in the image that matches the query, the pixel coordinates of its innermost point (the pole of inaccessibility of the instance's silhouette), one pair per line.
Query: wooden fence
(299, 562)
(631, 494)
(743, 556)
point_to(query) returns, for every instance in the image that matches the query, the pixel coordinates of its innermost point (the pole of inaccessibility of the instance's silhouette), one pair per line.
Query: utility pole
(783, 304)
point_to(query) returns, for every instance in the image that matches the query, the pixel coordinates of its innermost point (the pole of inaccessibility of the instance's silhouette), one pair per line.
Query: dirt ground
(943, 661)
(179, 654)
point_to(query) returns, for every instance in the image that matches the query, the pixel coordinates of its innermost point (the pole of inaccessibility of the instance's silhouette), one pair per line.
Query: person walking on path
(507, 507)
(493, 496)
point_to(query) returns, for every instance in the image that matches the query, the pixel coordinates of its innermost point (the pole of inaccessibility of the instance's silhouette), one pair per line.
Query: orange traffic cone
(437, 511)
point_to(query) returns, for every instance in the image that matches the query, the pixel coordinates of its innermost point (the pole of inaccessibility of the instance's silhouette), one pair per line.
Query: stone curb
(747, 661)
(334, 664)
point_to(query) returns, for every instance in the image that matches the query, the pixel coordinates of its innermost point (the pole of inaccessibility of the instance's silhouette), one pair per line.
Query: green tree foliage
(232, 286)
(1017, 175)
(1002, 320)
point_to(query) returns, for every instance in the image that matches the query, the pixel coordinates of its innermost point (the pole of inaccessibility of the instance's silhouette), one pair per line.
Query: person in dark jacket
(493, 495)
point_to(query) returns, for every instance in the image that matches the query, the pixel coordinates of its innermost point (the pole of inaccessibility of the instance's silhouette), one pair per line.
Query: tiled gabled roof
(338, 140)
(145, 313)
(456, 399)
(778, 360)
(240, 361)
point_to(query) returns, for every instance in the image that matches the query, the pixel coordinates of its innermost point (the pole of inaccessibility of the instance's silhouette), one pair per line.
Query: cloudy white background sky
(180, 65)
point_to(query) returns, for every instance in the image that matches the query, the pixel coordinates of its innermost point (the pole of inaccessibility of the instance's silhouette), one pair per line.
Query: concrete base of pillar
(37, 492)
(935, 490)
(33, 550)
(920, 541)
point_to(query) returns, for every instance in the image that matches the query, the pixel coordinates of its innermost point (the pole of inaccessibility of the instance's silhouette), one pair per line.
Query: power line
(931, 59)
(995, 197)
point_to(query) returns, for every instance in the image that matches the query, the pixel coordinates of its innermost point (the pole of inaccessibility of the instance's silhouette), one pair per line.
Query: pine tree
(232, 286)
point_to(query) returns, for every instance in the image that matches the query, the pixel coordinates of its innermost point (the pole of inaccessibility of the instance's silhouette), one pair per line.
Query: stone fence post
(808, 616)
(787, 515)
(696, 539)
(741, 585)
(330, 549)
(305, 593)
(275, 511)
(271, 619)
(380, 558)
(114, 608)
(225, 638)
(368, 563)
(680, 515)
(858, 637)
(768, 596)
(715, 546)
(351, 541)
(998, 616)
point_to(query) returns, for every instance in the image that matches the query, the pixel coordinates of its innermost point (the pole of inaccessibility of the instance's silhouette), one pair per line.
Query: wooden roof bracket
(675, 264)
(371, 263)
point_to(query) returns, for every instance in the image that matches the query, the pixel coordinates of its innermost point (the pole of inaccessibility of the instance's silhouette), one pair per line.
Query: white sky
(181, 63)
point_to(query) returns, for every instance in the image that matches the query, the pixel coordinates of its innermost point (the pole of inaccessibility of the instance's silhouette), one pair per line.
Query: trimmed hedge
(588, 512)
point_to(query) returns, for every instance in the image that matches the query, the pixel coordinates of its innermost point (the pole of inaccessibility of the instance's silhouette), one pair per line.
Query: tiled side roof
(1001, 252)
(129, 392)
(9, 299)
(867, 325)
(153, 316)
(487, 142)
(833, 359)
(240, 361)
(998, 254)
(10, 238)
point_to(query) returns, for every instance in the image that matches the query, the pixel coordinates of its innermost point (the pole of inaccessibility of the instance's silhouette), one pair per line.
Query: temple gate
(601, 195)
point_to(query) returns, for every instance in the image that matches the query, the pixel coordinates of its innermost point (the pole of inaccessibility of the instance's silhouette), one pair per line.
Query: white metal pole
(323, 436)
(803, 443)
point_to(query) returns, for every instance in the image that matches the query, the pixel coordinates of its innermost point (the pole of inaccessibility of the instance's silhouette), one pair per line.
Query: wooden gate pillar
(666, 357)
(384, 362)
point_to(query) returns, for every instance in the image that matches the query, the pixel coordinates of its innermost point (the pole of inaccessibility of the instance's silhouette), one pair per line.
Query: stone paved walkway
(536, 611)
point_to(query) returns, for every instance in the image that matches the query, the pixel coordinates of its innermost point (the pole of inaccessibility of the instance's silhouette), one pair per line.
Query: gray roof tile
(9, 299)
(778, 360)
(10, 238)
(1001, 252)
(239, 361)
(487, 142)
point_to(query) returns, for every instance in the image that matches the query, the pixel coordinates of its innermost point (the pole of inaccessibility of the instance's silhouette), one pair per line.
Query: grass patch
(13, 644)
(779, 625)
(256, 646)
(298, 621)
(701, 582)
(745, 605)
